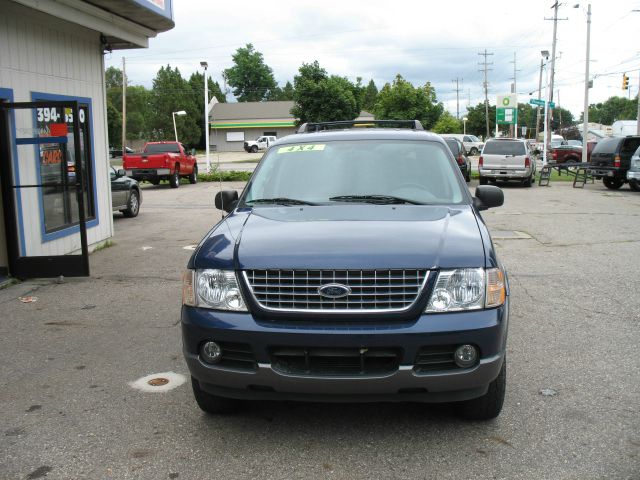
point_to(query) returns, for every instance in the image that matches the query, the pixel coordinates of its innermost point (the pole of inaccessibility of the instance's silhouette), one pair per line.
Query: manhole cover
(157, 382)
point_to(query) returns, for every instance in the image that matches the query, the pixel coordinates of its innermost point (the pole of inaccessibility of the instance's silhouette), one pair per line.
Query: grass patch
(101, 246)
(8, 283)
(225, 176)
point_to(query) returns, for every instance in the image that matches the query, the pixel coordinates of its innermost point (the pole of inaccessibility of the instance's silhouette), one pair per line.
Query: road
(573, 395)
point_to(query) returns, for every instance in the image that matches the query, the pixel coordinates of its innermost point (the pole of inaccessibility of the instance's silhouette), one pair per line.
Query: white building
(53, 51)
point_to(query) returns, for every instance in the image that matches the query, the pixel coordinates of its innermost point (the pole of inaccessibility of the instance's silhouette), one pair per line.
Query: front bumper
(633, 175)
(486, 328)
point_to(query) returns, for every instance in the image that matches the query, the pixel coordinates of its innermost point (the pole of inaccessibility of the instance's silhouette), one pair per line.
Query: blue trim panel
(40, 140)
(65, 232)
(7, 94)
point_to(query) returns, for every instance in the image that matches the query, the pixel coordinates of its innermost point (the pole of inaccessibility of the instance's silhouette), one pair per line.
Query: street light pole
(206, 115)
(173, 114)
(464, 125)
(585, 115)
(545, 54)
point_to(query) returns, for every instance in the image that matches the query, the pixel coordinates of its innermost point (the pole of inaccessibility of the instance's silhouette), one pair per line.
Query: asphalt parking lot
(573, 392)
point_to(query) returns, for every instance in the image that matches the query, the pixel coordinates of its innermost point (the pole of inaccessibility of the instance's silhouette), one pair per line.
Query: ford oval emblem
(334, 290)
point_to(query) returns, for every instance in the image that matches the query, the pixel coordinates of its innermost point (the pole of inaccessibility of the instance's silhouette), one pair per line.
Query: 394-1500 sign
(46, 115)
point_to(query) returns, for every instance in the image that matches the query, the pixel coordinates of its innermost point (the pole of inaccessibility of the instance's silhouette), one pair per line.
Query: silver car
(506, 159)
(633, 174)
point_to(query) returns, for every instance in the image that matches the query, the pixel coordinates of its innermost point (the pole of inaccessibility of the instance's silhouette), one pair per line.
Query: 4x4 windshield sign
(301, 148)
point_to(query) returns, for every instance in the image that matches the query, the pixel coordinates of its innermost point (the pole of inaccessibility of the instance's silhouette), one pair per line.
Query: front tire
(254, 149)
(193, 178)
(490, 404)
(174, 180)
(473, 151)
(212, 404)
(634, 185)
(612, 183)
(133, 205)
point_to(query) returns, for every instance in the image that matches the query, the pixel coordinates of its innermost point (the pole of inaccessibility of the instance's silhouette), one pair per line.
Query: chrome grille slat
(371, 290)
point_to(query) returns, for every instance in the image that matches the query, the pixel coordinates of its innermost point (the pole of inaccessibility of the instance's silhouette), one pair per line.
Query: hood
(345, 237)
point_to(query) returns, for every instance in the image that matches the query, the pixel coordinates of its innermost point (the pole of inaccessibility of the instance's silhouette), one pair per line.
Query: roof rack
(320, 126)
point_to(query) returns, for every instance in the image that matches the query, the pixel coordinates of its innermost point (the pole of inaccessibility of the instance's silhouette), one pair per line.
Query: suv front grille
(368, 290)
(335, 361)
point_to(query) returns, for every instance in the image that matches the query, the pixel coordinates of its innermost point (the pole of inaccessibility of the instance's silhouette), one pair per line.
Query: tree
(402, 101)
(281, 94)
(370, 95)
(447, 123)
(113, 78)
(476, 120)
(251, 79)
(114, 125)
(320, 98)
(614, 108)
(172, 93)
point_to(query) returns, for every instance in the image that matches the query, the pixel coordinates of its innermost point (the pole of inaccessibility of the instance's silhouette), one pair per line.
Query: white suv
(506, 159)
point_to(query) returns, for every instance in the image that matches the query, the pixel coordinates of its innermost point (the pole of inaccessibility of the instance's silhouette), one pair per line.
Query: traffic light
(625, 82)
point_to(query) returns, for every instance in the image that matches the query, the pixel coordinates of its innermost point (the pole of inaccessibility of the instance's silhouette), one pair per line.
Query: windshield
(474, 138)
(416, 171)
(162, 148)
(504, 147)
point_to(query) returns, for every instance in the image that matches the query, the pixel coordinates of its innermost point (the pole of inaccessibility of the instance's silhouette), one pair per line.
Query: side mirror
(121, 172)
(488, 196)
(226, 200)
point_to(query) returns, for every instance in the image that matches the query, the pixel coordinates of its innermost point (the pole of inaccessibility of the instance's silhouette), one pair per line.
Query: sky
(424, 41)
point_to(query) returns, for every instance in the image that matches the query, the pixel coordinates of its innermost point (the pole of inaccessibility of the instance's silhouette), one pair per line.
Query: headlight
(216, 289)
(467, 289)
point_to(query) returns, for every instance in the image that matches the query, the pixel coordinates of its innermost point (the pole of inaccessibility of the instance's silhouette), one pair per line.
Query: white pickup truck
(260, 143)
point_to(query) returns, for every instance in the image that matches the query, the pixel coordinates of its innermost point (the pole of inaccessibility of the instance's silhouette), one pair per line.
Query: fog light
(465, 356)
(211, 352)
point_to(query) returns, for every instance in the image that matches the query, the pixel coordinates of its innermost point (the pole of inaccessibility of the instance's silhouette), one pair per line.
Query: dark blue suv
(354, 266)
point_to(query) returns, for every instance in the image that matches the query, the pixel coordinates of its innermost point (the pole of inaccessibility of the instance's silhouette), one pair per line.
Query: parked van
(472, 144)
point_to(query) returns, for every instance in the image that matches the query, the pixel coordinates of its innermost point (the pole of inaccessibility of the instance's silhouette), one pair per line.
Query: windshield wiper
(377, 199)
(281, 201)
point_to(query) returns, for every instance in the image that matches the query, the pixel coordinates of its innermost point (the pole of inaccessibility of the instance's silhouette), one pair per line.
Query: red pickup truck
(162, 161)
(570, 153)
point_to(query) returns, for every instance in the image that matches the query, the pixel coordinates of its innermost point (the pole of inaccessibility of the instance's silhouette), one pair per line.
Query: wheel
(484, 181)
(527, 182)
(612, 183)
(212, 404)
(490, 404)
(174, 180)
(467, 177)
(634, 185)
(193, 178)
(254, 149)
(133, 205)
(473, 151)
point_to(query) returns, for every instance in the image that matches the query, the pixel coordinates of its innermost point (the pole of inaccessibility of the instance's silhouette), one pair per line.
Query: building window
(56, 162)
(270, 134)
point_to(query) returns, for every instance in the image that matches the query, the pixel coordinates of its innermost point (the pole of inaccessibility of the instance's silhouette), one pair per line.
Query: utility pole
(585, 114)
(514, 90)
(553, 61)
(457, 90)
(124, 107)
(539, 92)
(485, 84)
(638, 115)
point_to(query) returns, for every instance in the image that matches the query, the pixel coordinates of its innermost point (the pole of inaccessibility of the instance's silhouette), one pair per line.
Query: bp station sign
(507, 109)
